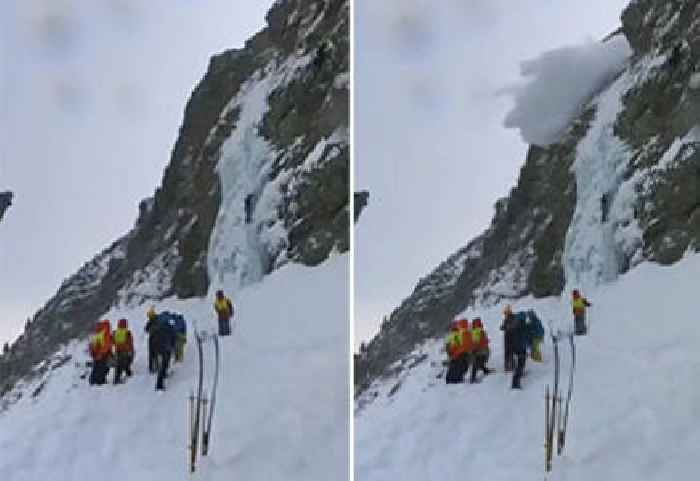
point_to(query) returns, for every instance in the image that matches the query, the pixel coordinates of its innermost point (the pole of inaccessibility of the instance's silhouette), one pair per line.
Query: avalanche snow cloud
(560, 82)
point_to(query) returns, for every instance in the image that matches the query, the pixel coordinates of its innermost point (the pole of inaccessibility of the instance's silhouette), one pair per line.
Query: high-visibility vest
(454, 343)
(221, 306)
(98, 345)
(97, 341)
(579, 305)
(121, 336)
(476, 335)
(454, 338)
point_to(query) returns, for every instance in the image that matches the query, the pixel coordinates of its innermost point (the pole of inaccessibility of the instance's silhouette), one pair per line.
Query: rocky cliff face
(263, 151)
(5, 203)
(622, 186)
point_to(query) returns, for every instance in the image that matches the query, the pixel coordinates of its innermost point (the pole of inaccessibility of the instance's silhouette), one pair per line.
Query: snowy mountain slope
(258, 178)
(281, 408)
(255, 200)
(633, 410)
(613, 207)
(619, 188)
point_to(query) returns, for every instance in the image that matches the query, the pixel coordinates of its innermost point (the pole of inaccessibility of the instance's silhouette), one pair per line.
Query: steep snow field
(634, 409)
(281, 409)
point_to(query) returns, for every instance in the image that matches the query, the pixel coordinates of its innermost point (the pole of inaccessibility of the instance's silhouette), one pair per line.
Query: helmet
(122, 323)
(477, 322)
(507, 311)
(151, 313)
(219, 293)
(463, 323)
(576, 293)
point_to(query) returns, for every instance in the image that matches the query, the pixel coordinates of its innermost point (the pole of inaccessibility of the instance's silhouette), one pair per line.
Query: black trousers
(457, 368)
(580, 325)
(224, 327)
(508, 351)
(98, 375)
(152, 356)
(163, 364)
(519, 368)
(124, 360)
(479, 364)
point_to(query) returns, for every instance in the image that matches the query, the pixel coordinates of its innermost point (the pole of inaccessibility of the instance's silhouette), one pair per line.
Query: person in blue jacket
(535, 335)
(180, 337)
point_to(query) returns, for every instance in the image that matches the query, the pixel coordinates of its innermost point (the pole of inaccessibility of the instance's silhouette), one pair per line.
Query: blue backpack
(536, 328)
(175, 321)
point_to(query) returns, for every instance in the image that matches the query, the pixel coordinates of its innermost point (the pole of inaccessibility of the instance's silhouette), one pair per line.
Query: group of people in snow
(109, 348)
(468, 345)
(167, 336)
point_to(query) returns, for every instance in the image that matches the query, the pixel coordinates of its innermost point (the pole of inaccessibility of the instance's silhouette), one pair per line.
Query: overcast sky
(92, 95)
(429, 140)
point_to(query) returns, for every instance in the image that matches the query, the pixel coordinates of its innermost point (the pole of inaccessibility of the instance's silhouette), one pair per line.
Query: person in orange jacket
(480, 349)
(578, 306)
(459, 350)
(123, 349)
(101, 352)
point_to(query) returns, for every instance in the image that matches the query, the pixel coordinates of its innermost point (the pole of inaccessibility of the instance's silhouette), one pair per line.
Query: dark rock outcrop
(5, 203)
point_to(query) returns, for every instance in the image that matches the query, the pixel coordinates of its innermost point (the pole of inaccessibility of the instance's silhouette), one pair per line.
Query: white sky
(92, 95)
(429, 141)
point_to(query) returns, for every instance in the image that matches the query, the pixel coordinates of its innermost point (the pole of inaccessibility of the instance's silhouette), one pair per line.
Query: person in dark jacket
(150, 329)
(164, 336)
(515, 327)
(508, 353)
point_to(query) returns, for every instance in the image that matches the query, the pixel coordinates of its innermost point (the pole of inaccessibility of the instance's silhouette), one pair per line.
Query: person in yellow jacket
(224, 311)
(579, 305)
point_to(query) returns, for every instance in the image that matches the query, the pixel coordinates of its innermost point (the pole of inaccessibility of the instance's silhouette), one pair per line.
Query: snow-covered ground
(282, 407)
(635, 401)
